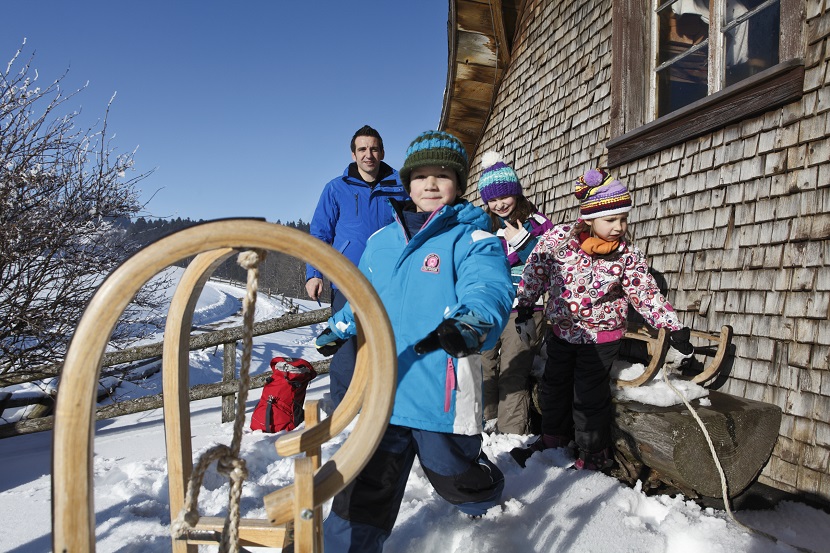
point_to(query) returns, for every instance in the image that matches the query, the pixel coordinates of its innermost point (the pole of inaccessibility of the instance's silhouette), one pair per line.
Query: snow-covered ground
(546, 506)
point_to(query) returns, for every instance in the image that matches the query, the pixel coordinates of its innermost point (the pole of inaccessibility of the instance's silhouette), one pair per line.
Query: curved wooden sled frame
(658, 344)
(372, 392)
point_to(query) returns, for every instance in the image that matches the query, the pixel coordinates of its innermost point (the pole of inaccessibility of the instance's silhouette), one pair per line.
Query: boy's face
(611, 228)
(432, 186)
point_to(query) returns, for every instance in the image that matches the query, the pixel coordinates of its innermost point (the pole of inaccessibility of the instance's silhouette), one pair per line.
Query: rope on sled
(227, 458)
(724, 486)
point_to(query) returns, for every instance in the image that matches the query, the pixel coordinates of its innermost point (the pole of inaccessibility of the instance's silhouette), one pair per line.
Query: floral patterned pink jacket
(589, 296)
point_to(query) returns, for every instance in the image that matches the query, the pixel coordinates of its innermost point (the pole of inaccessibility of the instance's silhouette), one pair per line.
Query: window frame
(633, 132)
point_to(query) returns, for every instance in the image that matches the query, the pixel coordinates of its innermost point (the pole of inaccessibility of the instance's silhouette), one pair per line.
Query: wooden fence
(227, 337)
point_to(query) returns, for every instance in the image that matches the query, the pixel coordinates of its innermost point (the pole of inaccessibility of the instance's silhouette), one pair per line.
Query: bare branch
(62, 192)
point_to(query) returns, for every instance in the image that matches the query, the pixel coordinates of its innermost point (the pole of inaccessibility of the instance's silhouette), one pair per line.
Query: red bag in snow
(281, 405)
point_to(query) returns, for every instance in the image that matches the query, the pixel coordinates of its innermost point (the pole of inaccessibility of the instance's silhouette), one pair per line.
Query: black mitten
(680, 348)
(328, 343)
(525, 325)
(679, 340)
(453, 336)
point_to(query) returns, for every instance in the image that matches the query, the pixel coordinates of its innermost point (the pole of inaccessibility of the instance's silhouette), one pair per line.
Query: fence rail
(226, 337)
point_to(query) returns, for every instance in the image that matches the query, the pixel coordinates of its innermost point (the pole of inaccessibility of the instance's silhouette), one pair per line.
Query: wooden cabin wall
(737, 221)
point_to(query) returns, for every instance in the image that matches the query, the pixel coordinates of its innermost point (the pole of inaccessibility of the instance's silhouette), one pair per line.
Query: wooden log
(666, 443)
(198, 341)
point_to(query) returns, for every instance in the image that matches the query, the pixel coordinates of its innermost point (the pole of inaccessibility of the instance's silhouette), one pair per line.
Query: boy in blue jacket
(446, 286)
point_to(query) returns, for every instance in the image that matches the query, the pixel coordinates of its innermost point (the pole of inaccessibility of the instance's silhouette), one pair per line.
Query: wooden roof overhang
(480, 38)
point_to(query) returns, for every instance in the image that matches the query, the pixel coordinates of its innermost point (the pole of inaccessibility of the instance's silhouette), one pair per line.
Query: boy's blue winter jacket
(452, 267)
(349, 211)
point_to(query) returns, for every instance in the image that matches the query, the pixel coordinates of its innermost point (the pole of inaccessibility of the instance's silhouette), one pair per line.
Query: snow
(657, 392)
(546, 506)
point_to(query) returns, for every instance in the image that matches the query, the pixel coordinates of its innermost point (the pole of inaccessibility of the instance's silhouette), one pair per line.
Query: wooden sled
(657, 344)
(300, 504)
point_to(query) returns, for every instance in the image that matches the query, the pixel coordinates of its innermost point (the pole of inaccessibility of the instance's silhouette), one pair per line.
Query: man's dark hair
(366, 130)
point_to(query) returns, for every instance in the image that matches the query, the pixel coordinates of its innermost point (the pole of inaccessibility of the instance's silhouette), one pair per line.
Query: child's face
(432, 186)
(611, 228)
(503, 206)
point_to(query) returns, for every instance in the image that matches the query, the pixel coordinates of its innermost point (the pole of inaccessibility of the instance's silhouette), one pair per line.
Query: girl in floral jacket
(592, 274)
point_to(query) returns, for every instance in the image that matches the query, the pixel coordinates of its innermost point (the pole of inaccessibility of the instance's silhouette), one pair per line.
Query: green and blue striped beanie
(436, 148)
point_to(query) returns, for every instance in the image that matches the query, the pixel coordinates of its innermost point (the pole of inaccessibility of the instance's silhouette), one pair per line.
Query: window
(709, 63)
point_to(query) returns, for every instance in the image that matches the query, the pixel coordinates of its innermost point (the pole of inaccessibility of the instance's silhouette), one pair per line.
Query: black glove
(679, 340)
(525, 325)
(328, 343)
(680, 348)
(453, 336)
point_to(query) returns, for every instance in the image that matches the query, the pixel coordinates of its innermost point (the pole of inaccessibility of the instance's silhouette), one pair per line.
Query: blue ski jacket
(451, 267)
(349, 211)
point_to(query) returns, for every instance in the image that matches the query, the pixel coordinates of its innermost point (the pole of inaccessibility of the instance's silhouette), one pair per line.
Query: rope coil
(227, 458)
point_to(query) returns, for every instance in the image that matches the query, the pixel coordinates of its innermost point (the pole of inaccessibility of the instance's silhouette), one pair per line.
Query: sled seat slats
(252, 532)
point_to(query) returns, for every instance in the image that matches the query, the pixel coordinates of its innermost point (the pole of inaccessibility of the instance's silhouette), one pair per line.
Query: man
(351, 208)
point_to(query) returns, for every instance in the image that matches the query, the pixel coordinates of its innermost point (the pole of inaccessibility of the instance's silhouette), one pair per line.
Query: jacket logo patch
(432, 264)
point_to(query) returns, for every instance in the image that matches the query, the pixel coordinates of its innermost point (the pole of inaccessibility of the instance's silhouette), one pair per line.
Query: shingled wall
(737, 221)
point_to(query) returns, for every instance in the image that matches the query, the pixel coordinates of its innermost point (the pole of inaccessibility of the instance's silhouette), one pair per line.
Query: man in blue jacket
(351, 208)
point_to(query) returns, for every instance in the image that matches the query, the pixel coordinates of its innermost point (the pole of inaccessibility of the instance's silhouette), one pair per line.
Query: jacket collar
(461, 211)
(386, 176)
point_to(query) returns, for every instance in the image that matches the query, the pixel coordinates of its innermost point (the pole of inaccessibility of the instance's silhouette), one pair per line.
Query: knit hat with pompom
(498, 179)
(601, 195)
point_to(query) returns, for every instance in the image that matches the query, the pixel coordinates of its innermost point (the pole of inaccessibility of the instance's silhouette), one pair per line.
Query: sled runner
(371, 393)
(657, 344)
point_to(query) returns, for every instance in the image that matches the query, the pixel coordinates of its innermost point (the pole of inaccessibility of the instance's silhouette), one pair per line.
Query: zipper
(356, 205)
(269, 414)
(450, 385)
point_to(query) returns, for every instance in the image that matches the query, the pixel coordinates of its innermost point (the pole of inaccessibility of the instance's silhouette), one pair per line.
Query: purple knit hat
(601, 195)
(498, 179)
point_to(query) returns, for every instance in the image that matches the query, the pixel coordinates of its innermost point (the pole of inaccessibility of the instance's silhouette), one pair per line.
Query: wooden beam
(769, 89)
(476, 49)
(503, 46)
(475, 17)
(479, 54)
(197, 341)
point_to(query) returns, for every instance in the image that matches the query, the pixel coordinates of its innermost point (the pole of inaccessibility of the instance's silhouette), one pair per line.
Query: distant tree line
(278, 274)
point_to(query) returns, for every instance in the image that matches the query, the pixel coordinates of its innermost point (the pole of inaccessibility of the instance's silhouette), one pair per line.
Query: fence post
(229, 375)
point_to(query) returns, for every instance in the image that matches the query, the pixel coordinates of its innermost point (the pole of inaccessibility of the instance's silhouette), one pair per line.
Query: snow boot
(602, 460)
(543, 442)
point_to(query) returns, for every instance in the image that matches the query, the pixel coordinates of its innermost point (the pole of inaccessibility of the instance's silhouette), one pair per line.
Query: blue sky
(242, 108)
